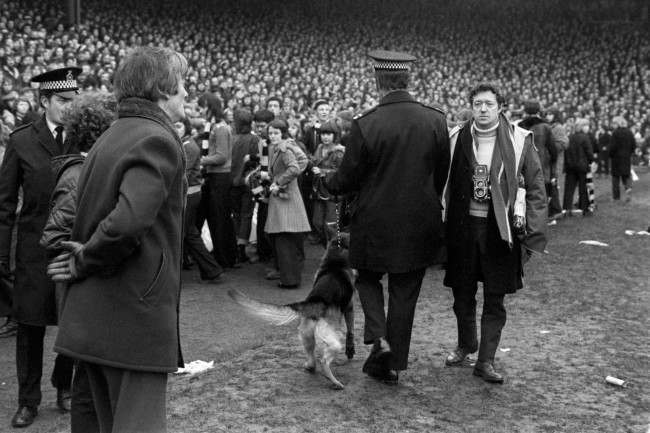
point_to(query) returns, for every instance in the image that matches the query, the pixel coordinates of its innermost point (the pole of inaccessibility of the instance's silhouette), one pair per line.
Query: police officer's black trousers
(397, 324)
(493, 317)
(29, 366)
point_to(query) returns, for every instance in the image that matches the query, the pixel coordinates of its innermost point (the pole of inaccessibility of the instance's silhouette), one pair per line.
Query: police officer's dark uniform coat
(397, 161)
(27, 164)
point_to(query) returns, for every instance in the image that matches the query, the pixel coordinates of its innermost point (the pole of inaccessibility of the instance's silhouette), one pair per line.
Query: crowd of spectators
(248, 51)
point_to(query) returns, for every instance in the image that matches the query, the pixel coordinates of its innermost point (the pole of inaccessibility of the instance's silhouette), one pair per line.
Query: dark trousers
(553, 194)
(288, 256)
(324, 211)
(493, 318)
(264, 247)
(603, 163)
(219, 216)
(616, 185)
(397, 324)
(29, 366)
(571, 180)
(242, 212)
(6, 296)
(83, 417)
(193, 244)
(128, 401)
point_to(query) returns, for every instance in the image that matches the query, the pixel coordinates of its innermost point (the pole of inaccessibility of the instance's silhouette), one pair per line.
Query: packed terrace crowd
(250, 50)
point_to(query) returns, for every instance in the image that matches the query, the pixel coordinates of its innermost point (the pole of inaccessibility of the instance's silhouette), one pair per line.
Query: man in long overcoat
(491, 160)
(27, 164)
(120, 317)
(621, 149)
(396, 161)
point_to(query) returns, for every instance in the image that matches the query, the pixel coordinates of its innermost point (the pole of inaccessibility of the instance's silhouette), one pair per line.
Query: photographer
(480, 201)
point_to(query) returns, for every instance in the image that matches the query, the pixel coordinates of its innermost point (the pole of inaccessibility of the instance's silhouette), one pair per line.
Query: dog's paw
(337, 386)
(309, 367)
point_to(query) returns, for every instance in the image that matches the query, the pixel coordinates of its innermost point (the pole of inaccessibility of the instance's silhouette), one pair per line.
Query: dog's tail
(275, 314)
(280, 314)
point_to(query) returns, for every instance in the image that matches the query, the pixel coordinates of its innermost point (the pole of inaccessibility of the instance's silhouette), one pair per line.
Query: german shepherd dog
(320, 313)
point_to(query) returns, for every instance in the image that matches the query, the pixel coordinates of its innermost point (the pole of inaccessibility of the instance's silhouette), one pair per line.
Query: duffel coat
(123, 312)
(505, 251)
(27, 164)
(397, 160)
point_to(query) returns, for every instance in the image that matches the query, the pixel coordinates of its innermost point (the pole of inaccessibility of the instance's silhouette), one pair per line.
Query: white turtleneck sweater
(484, 141)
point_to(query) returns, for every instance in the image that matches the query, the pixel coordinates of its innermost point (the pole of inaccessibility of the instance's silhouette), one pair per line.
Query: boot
(241, 254)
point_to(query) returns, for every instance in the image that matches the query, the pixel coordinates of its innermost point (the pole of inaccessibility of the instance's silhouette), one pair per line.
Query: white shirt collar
(52, 127)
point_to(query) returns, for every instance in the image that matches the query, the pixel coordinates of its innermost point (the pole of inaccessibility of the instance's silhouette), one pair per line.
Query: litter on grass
(544, 331)
(616, 381)
(595, 243)
(196, 367)
(641, 233)
(505, 349)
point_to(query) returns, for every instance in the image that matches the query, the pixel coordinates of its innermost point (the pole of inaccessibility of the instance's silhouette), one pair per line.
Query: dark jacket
(620, 151)
(63, 204)
(123, 312)
(193, 161)
(543, 139)
(503, 248)
(579, 154)
(243, 144)
(27, 164)
(397, 161)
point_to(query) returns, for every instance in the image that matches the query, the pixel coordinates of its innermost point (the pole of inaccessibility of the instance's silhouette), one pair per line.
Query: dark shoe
(241, 254)
(63, 400)
(287, 286)
(24, 416)
(458, 357)
(377, 363)
(486, 371)
(387, 376)
(9, 328)
(213, 278)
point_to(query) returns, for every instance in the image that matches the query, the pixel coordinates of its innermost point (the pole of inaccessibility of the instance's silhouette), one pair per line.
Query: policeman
(27, 165)
(396, 161)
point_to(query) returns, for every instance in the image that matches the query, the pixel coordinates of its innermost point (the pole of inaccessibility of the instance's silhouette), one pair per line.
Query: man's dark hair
(392, 80)
(487, 87)
(213, 104)
(263, 115)
(273, 98)
(281, 125)
(243, 119)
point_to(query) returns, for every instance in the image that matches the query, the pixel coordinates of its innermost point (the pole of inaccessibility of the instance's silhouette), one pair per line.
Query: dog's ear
(330, 231)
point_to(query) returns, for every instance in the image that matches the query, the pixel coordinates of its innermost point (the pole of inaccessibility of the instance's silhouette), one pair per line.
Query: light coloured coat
(286, 214)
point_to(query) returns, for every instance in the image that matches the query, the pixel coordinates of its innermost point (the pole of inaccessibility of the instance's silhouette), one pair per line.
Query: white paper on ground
(544, 331)
(195, 367)
(595, 243)
(505, 349)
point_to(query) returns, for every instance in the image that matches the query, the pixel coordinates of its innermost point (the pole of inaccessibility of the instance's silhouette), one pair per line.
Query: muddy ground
(583, 315)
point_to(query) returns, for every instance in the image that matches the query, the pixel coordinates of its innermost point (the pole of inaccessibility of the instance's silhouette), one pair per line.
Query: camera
(481, 182)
